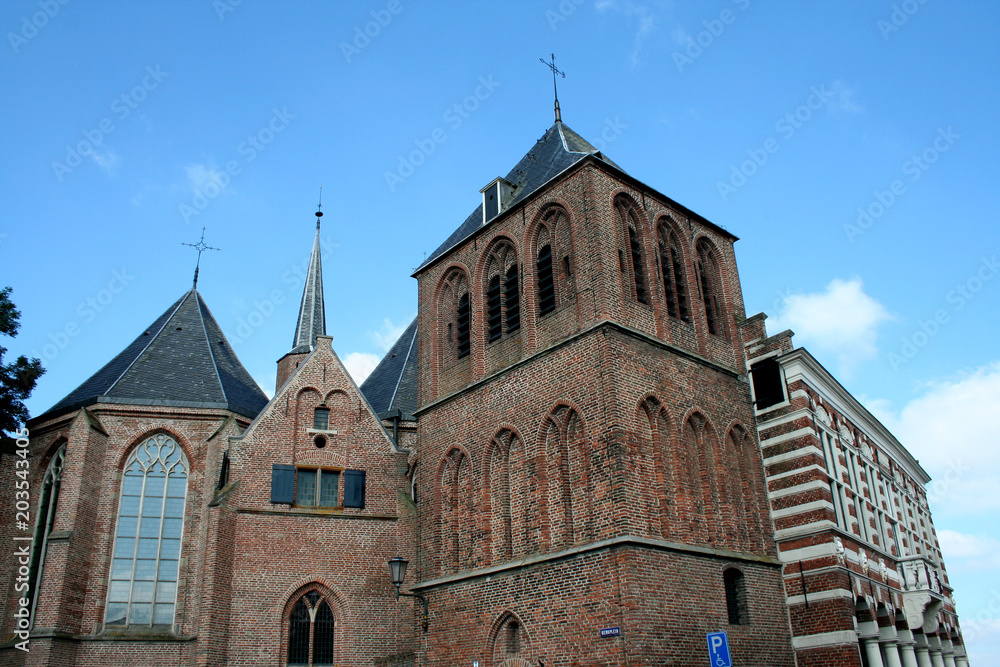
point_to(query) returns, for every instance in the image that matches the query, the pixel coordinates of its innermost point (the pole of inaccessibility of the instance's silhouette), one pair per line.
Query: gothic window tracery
(311, 631)
(142, 589)
(45, 518)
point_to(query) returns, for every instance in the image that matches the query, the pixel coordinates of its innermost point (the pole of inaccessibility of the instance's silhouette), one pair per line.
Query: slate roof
(393, 383)
(183, 359)
(559, 148)
(312, 311)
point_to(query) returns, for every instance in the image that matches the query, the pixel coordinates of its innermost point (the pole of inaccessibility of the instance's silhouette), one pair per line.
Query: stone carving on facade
(846, 435)
(839, 546)
(882, 569)
(823, 415)
(864, 561)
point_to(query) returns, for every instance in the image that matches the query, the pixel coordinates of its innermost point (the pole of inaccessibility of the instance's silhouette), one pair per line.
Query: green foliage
(17, 379)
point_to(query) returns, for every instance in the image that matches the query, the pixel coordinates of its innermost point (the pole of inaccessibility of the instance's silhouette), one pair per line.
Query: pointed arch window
(142, 588)
(710, 283)
(672, 268)
(503, 300)
(45, 518)
(310, 631)
(632, 264)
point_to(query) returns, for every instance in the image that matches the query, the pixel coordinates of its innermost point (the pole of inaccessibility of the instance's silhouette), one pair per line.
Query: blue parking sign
(718, 649)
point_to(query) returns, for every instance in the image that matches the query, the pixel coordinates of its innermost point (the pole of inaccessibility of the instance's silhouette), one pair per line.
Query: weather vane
(201, 247)
(552, 66)
(319, 207)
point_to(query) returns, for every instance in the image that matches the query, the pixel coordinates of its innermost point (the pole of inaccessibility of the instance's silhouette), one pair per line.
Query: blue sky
(850, 145)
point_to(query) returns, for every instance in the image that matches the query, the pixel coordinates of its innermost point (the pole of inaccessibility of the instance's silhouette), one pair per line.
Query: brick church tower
(588, 484)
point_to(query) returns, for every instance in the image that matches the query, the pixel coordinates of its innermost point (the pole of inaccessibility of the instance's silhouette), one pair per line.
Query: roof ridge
(402, 372)
(211, 352)
(146, 346)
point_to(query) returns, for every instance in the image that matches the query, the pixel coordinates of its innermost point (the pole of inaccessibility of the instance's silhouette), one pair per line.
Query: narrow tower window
(463, 325)
(637, 266)
(546, 285)
(736, 596)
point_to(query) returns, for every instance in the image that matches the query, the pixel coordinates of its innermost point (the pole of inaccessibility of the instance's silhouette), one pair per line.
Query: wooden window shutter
(354, 488)
(282, 483)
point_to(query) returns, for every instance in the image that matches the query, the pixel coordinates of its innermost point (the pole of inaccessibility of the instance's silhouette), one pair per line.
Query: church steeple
(312, 310)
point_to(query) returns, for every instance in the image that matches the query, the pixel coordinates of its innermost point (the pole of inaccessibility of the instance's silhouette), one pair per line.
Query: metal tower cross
(555, 91)
(201, 247)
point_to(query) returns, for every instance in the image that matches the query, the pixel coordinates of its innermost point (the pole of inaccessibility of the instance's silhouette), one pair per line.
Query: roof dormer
(496, 197)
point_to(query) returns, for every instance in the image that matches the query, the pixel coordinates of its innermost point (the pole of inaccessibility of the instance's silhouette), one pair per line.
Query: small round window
(320, 441)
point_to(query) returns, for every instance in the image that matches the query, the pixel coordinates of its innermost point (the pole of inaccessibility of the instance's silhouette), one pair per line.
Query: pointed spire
(312, 311)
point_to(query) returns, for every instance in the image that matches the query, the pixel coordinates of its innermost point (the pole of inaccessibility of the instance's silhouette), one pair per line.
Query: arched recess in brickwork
(550, 244)
(307, 400)
(509, 495)
(711, 287)
(454, 317)
(631, 250)
(673, 269)
(746, 466)
(343, 414)
(508, 643)
(564, 446)
(455, 511)
(311, 626)
(658, 465)
(700, 493)
(501, 290)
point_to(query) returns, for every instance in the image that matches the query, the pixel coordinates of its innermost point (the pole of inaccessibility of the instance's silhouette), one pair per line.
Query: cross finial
(555, 91)
(319, 207)
(201, 247)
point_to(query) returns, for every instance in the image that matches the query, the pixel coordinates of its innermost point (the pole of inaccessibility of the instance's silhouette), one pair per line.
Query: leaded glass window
(142, 589)
(310, 631)
(44, 518)
(316, 487)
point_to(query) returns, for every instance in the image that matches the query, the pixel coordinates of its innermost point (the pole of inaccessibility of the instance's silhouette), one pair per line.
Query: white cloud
(360, 365)
(389, 333)
(199, 176)
(842, 321)
(844, 98)
(952, 429)
(981, 549)
(107, 160)
(642, 14)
